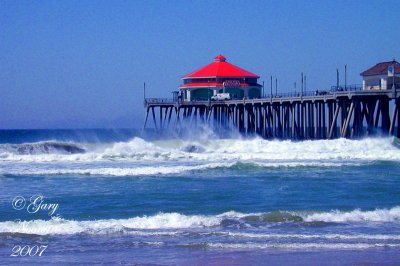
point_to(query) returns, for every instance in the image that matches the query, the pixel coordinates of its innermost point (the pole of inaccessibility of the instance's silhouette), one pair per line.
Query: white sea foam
(301, 246)
(181, 221)
(378, 215)
(57, 226)
(139, 157)
(140, 170)
(270, 236)
(117, 171)
(243, 150)
(313, 236)
(334, 216)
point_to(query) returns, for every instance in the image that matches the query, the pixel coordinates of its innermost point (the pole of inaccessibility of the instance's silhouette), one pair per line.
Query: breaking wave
(59, 226)
(242, 150)
(379, 215)
(165, 169)
(43, 147)
(334, 216)
(139, 157)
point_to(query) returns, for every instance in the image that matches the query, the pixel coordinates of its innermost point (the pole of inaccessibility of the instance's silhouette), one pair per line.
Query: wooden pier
(339, 114)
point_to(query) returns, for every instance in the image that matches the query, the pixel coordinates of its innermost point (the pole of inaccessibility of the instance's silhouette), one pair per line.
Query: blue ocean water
(120, 197)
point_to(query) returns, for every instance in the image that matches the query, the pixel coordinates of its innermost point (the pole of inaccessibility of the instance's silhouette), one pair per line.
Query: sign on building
(231, 84)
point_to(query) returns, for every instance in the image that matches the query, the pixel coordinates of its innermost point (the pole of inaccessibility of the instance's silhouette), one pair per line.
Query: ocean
(121, 197)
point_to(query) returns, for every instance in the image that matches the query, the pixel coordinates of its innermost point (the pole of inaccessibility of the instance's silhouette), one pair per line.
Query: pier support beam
(398, 117)
(334, 122)
(313, 117)
(394, 116)
(385, 115)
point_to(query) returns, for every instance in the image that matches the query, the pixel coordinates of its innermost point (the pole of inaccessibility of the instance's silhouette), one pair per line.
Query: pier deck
(349, 114)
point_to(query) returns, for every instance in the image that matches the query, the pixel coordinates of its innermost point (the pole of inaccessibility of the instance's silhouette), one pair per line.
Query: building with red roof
(220, 77)
(381, 76)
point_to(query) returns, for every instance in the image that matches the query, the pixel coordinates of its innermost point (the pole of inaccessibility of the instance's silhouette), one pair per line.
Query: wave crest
(44, 147)
(243, 150)
(181, 221)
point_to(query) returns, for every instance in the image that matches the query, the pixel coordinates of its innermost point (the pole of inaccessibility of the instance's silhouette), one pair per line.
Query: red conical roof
(220, 68)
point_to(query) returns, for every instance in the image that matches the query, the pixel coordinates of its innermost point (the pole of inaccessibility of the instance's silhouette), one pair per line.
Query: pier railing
(341, 111)
(353, 87)
(332, 90)
(159, 101)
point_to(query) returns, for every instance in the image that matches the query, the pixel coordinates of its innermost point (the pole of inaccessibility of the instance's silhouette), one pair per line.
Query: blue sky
(80, 64)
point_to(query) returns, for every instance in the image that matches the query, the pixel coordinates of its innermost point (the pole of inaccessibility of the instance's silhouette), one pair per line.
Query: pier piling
(348, 114)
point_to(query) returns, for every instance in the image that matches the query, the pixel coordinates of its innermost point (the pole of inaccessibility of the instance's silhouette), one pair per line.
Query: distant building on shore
(219, 77)
(381, 76)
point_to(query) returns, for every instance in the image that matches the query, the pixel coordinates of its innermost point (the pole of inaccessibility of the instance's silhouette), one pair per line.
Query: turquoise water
(121, 198)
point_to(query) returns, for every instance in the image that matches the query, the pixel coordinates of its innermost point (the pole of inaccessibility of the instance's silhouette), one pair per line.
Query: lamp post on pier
(305, 84)
(262, 96)
(271, 87)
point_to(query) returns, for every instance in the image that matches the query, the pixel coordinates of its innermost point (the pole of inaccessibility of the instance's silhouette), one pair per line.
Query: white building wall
(377, 82)
(188, 95)
(384, 83)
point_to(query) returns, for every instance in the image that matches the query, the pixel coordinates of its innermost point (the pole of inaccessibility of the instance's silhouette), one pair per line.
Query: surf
(42, 147)
(205, 150)
(175, 220)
